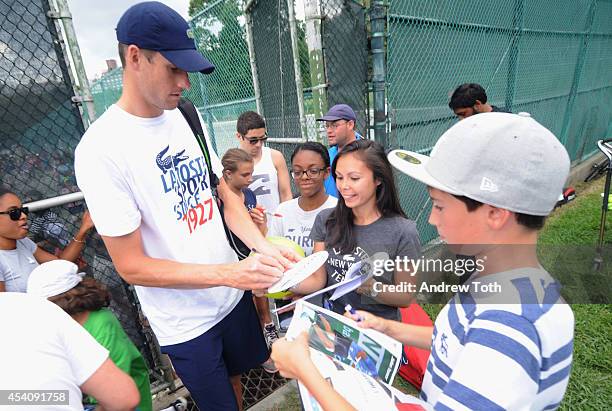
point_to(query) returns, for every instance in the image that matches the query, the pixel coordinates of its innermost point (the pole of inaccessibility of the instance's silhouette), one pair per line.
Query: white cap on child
(54, 278)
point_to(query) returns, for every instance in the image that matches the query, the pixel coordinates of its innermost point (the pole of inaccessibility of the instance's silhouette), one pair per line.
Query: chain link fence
(292, 64)
(549, 60)
(39, 125)
(220, 32)
(39, 130)
(107, 89)
(276, 80)
(345, 49)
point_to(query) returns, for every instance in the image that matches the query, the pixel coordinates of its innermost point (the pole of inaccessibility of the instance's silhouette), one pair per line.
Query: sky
(95, 21)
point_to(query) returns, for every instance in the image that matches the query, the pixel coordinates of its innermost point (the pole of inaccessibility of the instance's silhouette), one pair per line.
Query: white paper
(300, 271)
(352, 281)
(361, 391)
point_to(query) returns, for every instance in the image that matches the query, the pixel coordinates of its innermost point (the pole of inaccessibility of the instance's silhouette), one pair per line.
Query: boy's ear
(498, 217)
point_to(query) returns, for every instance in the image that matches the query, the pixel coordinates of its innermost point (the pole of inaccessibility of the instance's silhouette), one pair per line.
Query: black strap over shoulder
(190, 113)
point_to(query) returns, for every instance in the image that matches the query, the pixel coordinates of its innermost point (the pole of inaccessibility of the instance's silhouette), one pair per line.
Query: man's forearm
(155, 272)
(136, 267)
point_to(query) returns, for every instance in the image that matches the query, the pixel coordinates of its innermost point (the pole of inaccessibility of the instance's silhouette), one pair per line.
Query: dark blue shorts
(232, 347)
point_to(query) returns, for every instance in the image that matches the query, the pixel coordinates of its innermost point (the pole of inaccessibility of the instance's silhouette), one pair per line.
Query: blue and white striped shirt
(492, 354)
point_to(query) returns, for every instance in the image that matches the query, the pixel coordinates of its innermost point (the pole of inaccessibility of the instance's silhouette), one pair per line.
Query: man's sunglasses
(254, 141)
(15, 213)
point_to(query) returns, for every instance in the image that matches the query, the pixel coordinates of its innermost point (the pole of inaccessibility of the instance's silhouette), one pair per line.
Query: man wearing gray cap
(147, 186)
(340, 129)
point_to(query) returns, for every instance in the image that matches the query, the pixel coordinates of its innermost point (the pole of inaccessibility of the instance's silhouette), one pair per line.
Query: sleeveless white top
(265, 182)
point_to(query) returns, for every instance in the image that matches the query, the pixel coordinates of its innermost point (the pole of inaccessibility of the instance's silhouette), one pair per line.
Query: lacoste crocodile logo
(170, 161)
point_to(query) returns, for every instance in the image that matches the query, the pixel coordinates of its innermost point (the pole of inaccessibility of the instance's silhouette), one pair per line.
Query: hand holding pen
(268, 213)
(365, 319)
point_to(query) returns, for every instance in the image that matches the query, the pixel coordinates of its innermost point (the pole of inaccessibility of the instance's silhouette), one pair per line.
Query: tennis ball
(279, 295)
(283, 241)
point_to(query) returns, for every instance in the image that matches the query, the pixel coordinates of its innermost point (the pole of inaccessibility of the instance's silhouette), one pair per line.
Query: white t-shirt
(16, 265)
(265, 182)
(45, 349)
(295, 223)
(150, 173)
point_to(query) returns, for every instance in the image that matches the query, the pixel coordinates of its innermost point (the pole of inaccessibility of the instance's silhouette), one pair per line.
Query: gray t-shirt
(395, 236)
(16, 265)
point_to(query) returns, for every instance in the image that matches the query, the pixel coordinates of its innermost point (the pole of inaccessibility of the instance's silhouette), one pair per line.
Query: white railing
(54, 201)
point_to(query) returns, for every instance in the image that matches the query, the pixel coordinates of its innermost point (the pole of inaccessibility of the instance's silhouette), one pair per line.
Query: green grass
(578, 221)
(575, 227)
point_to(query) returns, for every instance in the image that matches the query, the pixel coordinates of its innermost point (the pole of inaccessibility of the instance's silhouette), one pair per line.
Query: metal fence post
(517, 31)
(378, 18)
(312, 14)
(296, 69)
(83, 93)
(251, 47)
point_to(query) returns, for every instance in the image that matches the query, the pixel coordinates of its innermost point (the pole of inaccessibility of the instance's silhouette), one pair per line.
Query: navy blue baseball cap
(154, 26)
(339, 112)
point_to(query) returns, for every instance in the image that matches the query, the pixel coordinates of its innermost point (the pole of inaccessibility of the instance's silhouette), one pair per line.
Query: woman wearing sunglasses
(18, 254)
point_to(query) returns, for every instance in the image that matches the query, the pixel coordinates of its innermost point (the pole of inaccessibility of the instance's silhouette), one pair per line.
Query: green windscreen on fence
(551, 59)
(345, 51)
(107, 89)
(39, 125)
(275, 68)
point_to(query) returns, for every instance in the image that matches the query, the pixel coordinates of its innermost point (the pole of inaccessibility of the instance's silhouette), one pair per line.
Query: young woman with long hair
(367, 223)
